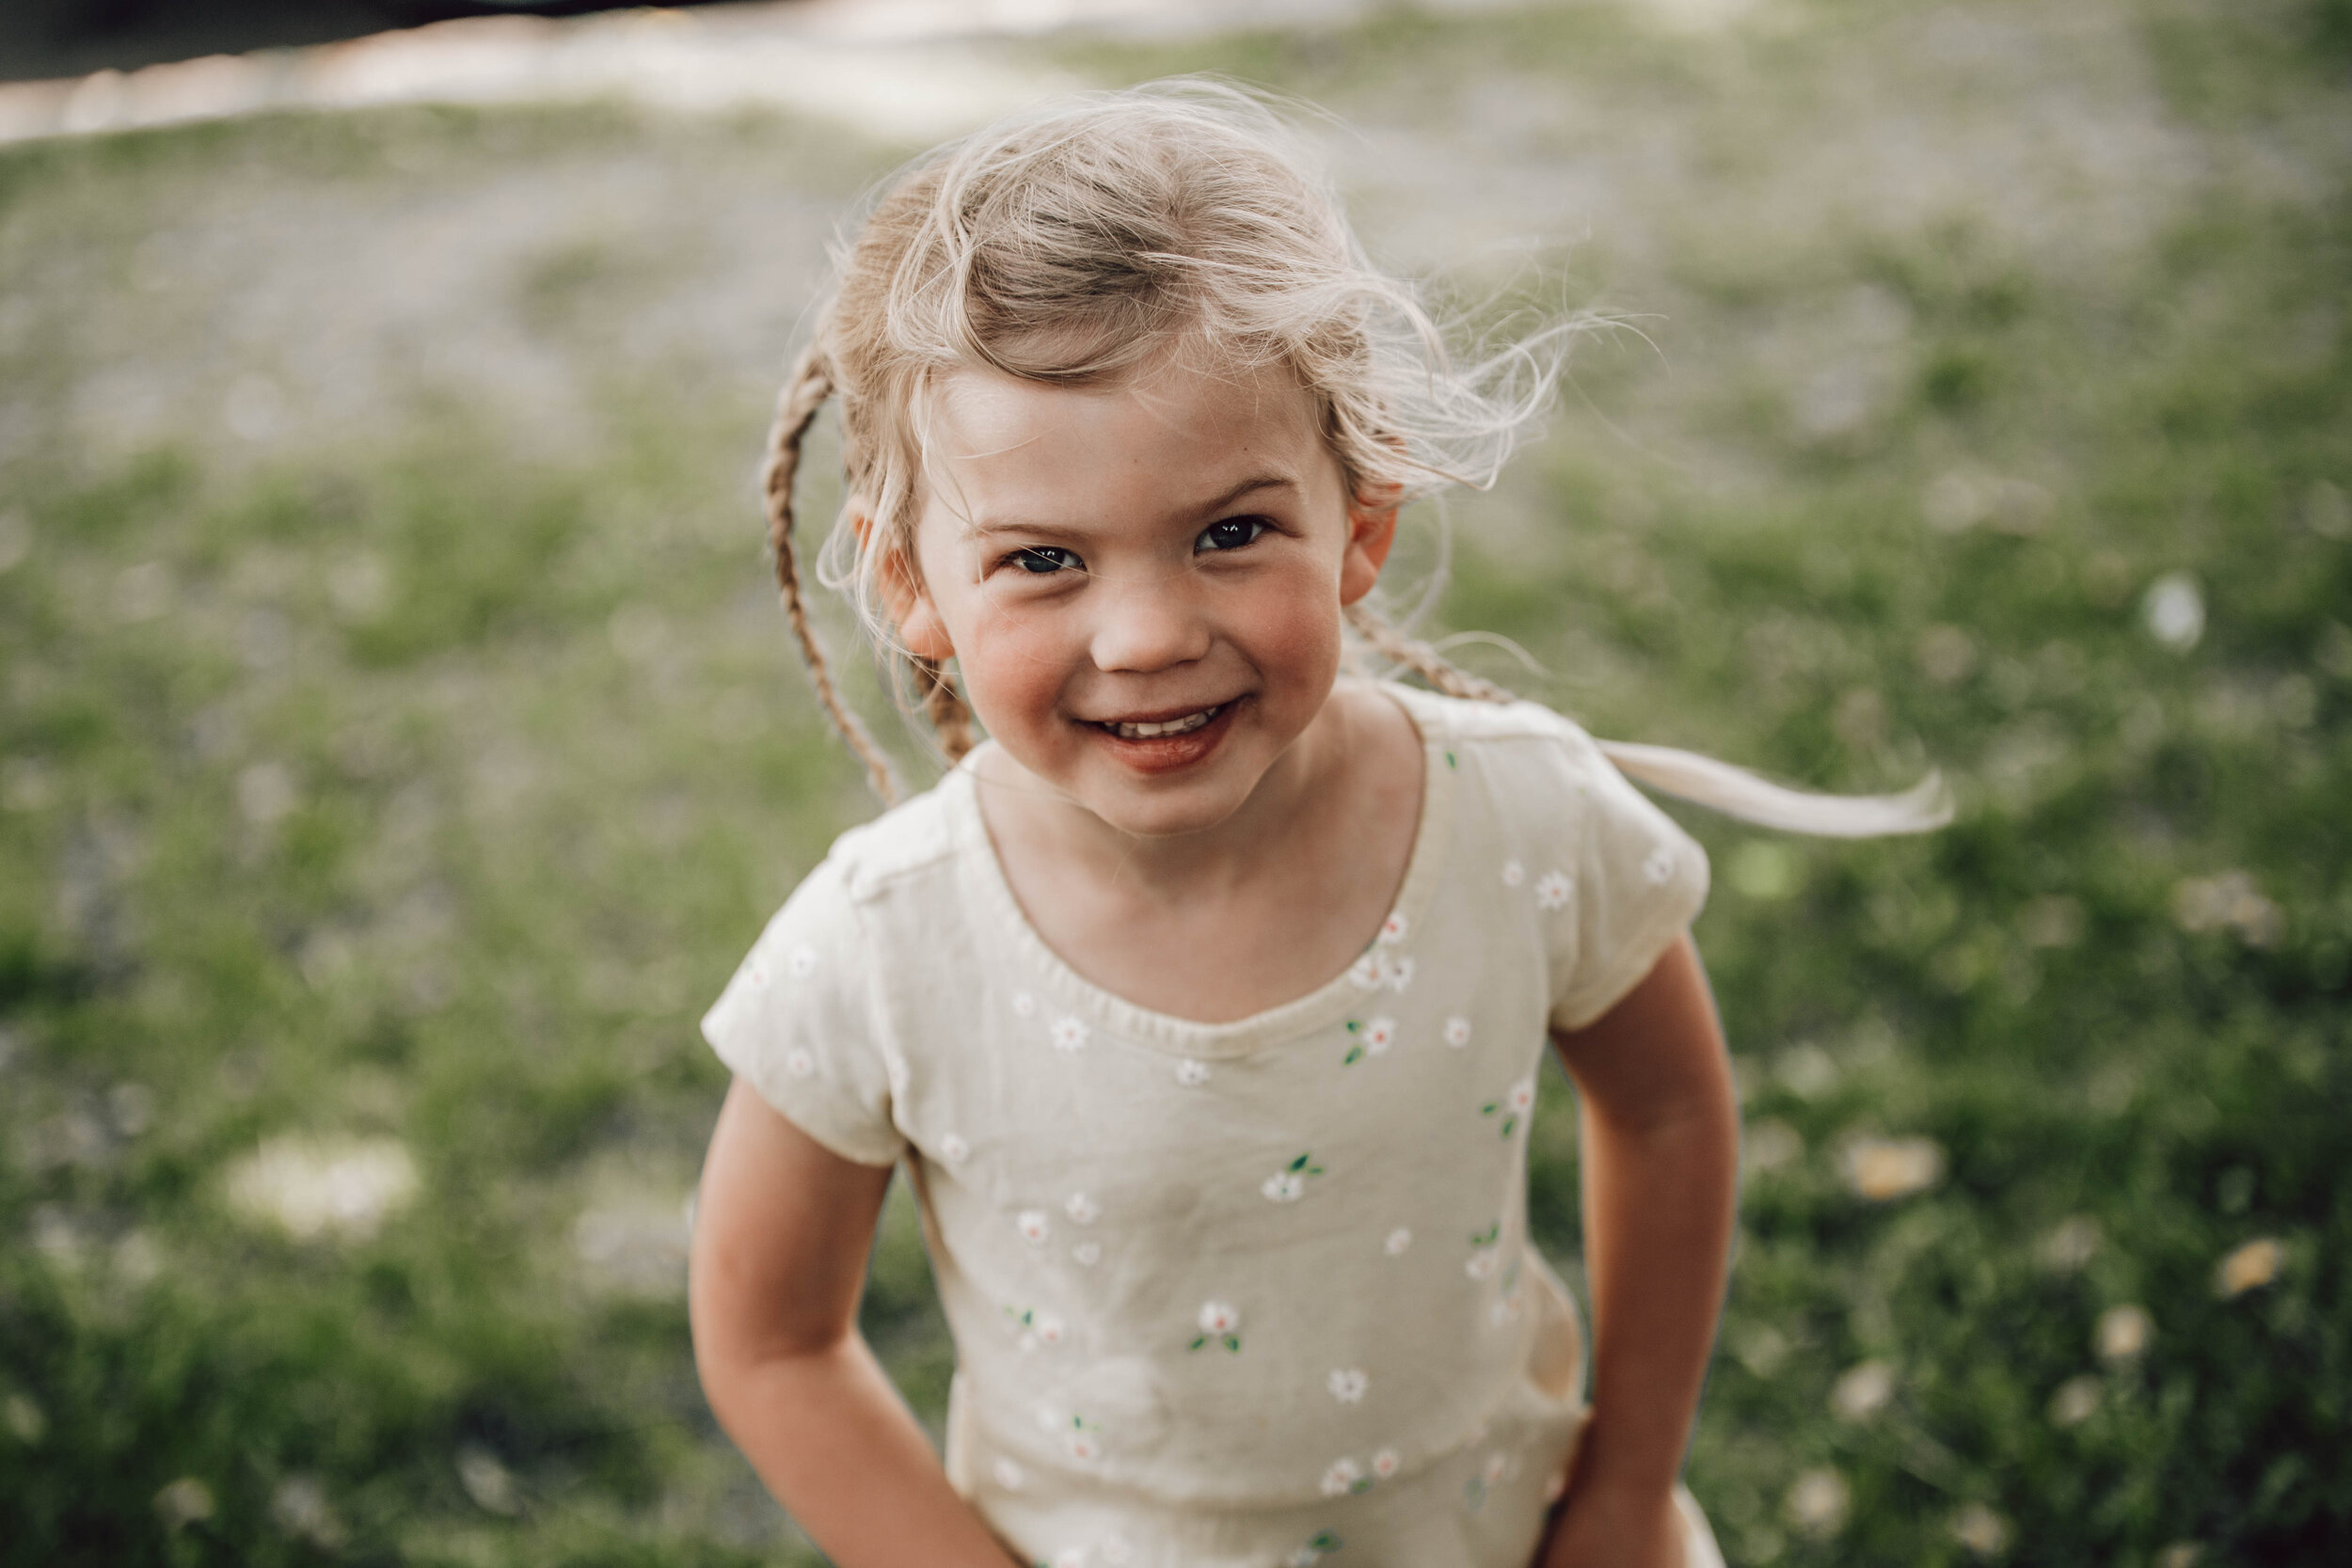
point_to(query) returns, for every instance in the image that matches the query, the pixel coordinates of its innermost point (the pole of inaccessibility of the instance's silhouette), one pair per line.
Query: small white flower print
(1070, 1035)
(1368, 971)
(1385, 1463)
(953, 1150)
(802, 962)
(1379, 1035)
(1010, 1476)
(1457, 1032)
(1034, 1226)
(1048, 1329)
(1482, 1264)
(1283, 1187)
(1504, 1311)
(1345, 1476)
(1347, 1385)
(1521, 1097)
(1393, 929)
(799, 1063)
(1192, 1073)
(1087, 1254)
(1083, 1446)
(758, 972)
(1659, 868)
(1400, 972)
(1023, 1005)
(1498, 1467)
(1553, 889)
(1082, 1209)
(1220, 1324)
(1513, 873)
(1398, 1240)
(1512, 1106)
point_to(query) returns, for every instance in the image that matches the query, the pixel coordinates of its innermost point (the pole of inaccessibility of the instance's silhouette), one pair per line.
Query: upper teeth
(1171, 726)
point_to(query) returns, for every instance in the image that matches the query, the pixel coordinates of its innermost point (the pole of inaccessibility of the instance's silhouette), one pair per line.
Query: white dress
(1254, 1293)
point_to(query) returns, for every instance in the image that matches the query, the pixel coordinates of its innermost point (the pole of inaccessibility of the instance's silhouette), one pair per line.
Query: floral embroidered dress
(1255, 1294)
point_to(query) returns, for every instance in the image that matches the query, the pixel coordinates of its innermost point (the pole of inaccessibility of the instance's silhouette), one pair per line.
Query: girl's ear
(908, 602)
(1371, 529)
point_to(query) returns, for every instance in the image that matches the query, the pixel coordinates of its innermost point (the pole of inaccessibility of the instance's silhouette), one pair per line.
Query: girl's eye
(1231, 534)
(1046, 560)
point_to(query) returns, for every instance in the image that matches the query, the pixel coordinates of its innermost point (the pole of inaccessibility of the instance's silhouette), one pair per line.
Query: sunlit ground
(401, 747)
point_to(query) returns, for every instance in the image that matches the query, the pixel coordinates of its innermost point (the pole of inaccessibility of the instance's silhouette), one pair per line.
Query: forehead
(1173, 432)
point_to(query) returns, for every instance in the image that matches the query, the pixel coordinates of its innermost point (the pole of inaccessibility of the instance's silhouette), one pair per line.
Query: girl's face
(1141, 583)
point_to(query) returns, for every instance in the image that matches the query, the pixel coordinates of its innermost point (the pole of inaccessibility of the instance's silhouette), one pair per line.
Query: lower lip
(1164, 753)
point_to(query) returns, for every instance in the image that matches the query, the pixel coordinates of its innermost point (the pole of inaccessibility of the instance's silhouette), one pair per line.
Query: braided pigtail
(804, 392)
(1410, 653)
(1718, 785)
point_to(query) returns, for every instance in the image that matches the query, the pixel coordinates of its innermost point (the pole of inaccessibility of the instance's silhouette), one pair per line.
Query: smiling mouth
(1158, 729)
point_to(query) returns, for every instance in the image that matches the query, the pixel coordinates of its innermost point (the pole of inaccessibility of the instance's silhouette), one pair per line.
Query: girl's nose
(1149, 626)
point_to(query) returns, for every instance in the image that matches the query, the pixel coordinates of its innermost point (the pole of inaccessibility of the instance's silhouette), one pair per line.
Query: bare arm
(1659, 1128)
(781, 1229)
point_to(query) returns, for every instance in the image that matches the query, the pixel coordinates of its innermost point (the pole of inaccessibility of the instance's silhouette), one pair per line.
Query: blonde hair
(1075, 246)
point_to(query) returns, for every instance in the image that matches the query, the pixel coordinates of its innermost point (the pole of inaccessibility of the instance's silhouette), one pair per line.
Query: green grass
(420, 776)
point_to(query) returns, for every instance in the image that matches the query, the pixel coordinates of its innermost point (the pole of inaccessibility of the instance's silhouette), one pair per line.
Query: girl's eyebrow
(989, 526)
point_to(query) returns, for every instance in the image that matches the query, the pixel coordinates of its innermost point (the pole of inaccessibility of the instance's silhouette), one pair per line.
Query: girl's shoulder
(917, 838)
(1523, 729)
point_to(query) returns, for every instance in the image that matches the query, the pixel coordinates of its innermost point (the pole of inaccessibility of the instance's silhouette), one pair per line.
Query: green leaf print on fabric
(1289, 1184)
(1220, 1324)
(1372, 1038)
(1319, 1545)
(1513, 1107)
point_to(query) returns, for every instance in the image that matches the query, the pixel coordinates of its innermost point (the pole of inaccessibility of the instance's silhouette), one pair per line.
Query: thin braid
(944, 706)
(1420, 657)
(804, 392)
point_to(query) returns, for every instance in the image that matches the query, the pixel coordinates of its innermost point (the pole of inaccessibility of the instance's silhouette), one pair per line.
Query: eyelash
(1045, 560)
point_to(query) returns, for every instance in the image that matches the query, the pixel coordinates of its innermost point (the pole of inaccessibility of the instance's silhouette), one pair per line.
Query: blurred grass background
(401, 747)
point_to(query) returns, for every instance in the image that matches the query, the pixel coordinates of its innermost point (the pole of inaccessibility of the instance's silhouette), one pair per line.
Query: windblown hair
(1079, 244)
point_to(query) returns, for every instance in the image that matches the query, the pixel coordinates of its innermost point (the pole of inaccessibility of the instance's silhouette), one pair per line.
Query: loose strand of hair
(804, 392)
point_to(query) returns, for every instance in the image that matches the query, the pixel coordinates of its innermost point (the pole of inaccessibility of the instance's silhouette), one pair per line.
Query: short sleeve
(798, 1023)
(1636, 883)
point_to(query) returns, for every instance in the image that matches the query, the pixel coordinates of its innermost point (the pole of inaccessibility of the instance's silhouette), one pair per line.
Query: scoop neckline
(1324, 1005)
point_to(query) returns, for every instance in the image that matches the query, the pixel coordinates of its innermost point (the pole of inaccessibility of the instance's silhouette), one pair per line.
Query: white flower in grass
(2075, 1402)
(1862, 1392)
(1379, 1035)
(1023, 1005)
(1659, 869)
(1398, 1240)
(1513, 873)
(800, 962)
(1070, 1035)
(2125, 1332)
(1010, 1476)
(953, 1150)
(1981, 1530)
(1553, 889)
(1284, 1186)
(1819, 1502)
(799, 1063)
(1386, 1462)
(1082, 1209)
(1087, 1254)
(1457, 1032)
(1342, 1478)
(1219, 1317)
(1347, 1385)
(1033, 1225)
(1393, 929)
(1192, 1073)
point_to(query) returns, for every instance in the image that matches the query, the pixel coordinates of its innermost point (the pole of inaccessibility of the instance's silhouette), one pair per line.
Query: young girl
(1202, 1003)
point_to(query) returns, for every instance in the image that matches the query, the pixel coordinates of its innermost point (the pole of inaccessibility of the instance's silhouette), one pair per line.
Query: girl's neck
(1230, 921)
